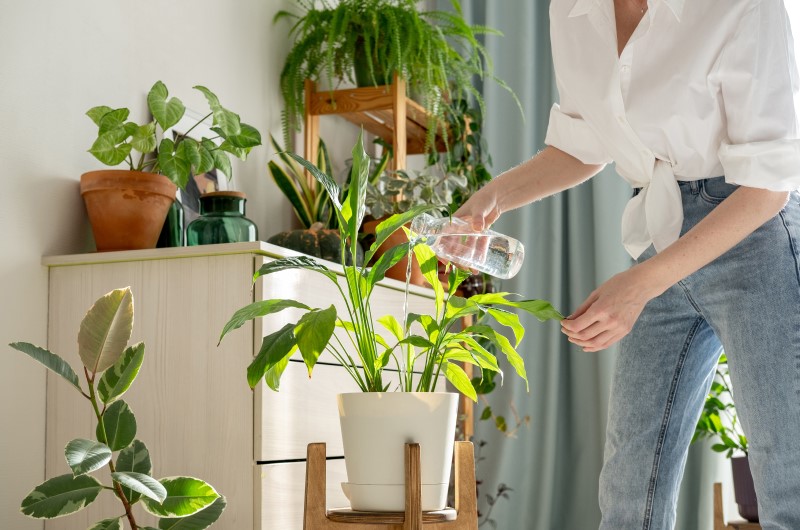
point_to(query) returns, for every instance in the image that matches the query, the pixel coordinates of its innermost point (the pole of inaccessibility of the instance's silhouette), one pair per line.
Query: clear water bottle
(454, 240)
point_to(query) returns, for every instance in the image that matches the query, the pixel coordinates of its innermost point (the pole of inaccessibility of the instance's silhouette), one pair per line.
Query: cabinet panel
(192, 406)
(303, 412)
(283, 493)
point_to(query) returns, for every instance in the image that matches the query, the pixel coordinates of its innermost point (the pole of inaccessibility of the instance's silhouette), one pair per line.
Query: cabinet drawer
(283, 493)
(303, 412)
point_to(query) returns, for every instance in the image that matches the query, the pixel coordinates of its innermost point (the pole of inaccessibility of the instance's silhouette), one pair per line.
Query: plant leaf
(135, 458)
(486, 414)
(392, 325)
(287, 185)
(248, 137)
(97, 113)
(388, 260)
(295, 262)
(514, 358)
(541, 309)
(106, 150)
(185, 496)
(510, 320)
(117, 380)
(327, 182)
(50, 360)
(141, 483)
(206, 157)
(144, 139)
(108, 524)
(273, 376)
(171, 165)
(106, 329)
(224, 119)
(460, 380)
(357, 190)
(222, 163)
(313, 332)
(274, 348)
(112, 120)
(166, 113)
(258, 309)
(392, 224)
(61, 495)
(84, 456)
(197, 521)
(429, 265)
(120, 426)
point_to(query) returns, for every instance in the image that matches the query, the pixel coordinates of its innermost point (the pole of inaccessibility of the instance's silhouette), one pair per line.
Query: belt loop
(694, 185)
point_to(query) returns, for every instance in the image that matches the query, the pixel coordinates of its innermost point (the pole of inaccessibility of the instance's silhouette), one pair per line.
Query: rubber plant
(177, 158)
(110, 366)
(437, 351)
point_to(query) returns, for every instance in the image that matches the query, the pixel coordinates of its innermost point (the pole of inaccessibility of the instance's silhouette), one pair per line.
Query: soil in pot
(126, 208)
(317, 241)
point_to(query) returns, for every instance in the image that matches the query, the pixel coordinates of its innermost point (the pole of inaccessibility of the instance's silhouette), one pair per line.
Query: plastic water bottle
(454, 240)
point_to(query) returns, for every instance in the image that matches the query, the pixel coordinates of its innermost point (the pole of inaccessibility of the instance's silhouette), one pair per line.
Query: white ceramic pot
(375, 428)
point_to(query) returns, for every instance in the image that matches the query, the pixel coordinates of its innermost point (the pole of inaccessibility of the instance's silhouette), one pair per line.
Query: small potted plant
(367, 41)
(318, 235)
(377, 422)
(127, 208)
(719, 422)
(110, 367)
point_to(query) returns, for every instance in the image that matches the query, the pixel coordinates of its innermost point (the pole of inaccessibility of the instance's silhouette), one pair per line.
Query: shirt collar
(583, 7)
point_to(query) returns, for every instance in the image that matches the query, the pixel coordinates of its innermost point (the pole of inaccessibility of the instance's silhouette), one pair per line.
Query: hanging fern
(437, 52)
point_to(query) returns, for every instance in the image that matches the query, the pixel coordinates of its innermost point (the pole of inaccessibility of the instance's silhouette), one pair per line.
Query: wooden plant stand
(463, 517)
(719, 515)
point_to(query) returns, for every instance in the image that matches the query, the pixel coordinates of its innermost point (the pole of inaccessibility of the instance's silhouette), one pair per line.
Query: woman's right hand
(481, 210)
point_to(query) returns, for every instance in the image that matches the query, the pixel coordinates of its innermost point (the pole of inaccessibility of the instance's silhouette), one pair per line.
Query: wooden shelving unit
(384, 111)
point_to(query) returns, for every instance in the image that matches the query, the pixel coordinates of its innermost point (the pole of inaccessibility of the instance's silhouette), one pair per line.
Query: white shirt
(703, 88)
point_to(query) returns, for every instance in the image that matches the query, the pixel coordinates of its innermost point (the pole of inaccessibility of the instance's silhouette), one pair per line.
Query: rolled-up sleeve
(759, 84)
(569, 132)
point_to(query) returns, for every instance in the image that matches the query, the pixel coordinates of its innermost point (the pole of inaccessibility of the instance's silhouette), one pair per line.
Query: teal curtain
(572, 244)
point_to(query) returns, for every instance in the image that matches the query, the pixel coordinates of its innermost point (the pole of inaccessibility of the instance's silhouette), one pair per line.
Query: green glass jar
(221, 220)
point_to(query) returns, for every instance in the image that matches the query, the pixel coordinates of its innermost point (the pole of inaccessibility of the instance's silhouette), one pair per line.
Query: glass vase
(221, 220)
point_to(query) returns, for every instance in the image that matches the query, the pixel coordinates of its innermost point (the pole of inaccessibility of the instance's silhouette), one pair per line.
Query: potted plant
(127, 208)
(312, 205)
(719, 422)
(110, 367)
(367, 41)
(377, 422)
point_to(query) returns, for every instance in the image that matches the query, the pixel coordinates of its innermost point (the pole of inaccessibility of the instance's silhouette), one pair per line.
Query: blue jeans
(748, 302)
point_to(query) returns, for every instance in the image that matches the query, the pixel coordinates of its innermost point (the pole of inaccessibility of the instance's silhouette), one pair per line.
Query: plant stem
(182, 136)
(117, 488)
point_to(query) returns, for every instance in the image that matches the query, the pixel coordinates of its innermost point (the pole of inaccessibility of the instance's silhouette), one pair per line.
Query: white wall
(58, 59)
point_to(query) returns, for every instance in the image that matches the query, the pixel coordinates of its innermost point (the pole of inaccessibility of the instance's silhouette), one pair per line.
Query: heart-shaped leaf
(120, 426)
(108, 152)
(119, 377)
(144, 138)
(248, 137)
(97, 113)
(134, 458)
(141, 483)
(50, 360)
(226, 120)
(85, 456)
(61, 496)
(112, 120)
(197, 521)
(106, 329)
(175, 168)
(185, 496)
(166, 113)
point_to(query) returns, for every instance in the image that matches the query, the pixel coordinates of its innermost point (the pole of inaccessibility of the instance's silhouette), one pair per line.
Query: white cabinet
(193, 408)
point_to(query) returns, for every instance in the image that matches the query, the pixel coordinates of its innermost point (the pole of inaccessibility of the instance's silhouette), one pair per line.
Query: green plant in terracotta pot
(422, 351)
(367, 42)
(718, 422)
(127, 208)
(110, 367)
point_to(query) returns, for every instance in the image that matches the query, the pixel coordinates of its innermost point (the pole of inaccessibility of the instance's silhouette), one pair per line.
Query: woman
(677, 93)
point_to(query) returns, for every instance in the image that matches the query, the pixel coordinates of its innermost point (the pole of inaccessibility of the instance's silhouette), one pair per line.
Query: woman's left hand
(610, 311)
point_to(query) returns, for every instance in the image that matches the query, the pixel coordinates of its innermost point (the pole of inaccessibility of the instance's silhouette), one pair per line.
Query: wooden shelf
(384, 111)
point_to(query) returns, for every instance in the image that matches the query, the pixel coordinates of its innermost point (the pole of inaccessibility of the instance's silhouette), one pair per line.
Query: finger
(586, 334)
(582, 317)
(596, 341)
(607, 343)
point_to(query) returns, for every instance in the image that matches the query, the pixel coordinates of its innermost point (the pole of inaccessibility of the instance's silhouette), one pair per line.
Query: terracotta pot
(126, 208)
(398, 271)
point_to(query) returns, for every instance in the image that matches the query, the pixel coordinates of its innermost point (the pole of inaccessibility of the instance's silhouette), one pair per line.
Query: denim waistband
(693, 185)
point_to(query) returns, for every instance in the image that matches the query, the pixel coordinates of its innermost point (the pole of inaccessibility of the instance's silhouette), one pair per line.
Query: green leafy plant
(718, 421)
(437, 351)
(177, 159)
(399, 191)
(437, 52)
(110, 367)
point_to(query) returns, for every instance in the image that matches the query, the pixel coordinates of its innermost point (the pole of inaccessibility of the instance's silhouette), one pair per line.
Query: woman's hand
(610, 312)
(481, 210)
